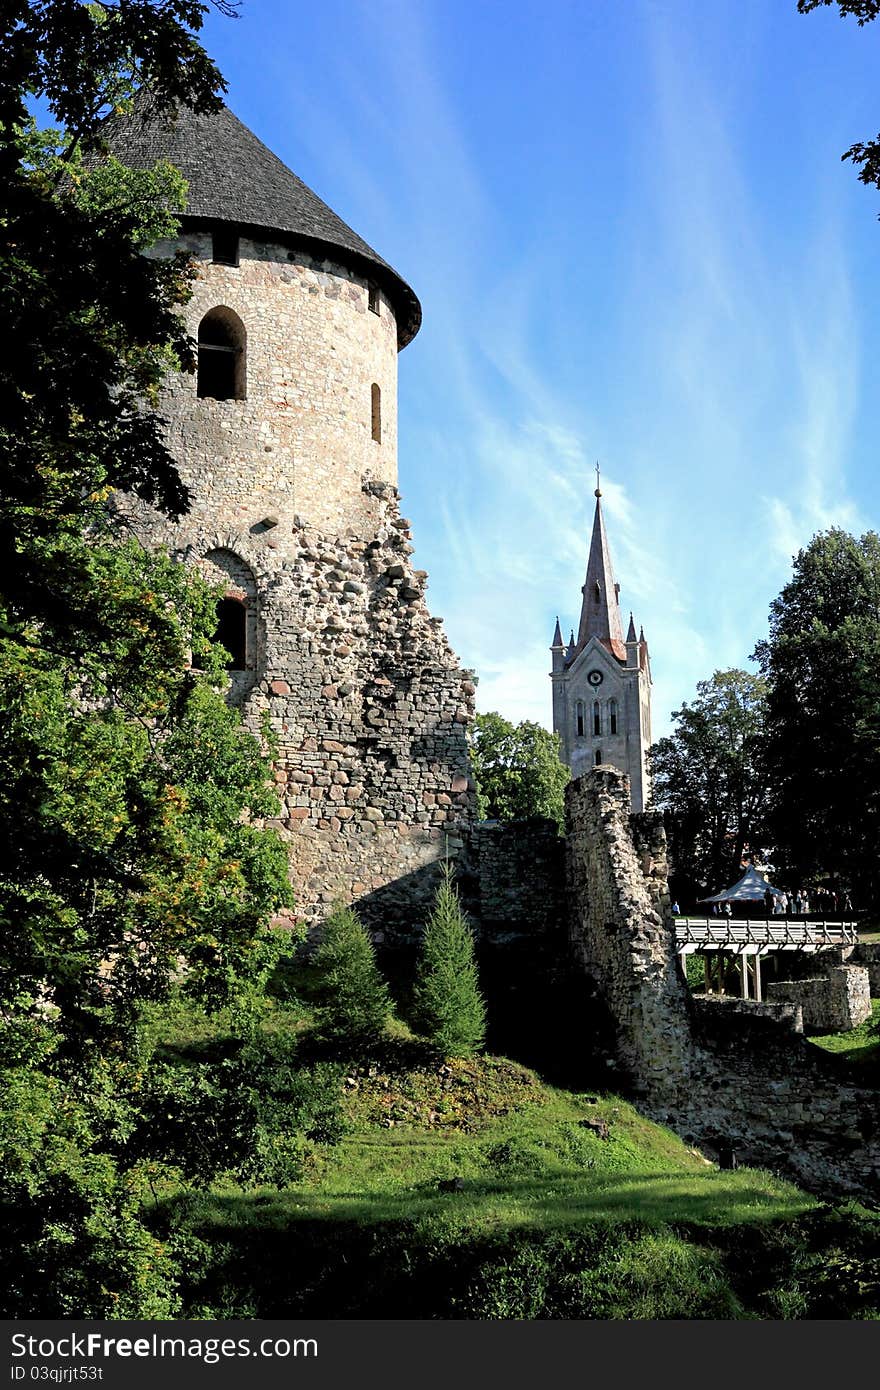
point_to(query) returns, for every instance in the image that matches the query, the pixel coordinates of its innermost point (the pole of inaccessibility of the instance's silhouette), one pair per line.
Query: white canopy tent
(749, 889)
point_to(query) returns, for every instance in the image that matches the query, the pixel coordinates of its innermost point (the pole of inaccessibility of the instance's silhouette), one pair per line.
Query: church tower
(602, 680)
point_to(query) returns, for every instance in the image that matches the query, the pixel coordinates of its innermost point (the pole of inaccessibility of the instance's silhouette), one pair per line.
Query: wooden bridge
(751, 938)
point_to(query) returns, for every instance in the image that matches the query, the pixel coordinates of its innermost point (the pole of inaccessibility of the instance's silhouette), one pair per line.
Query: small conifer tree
(357, 1004)
(450, 1010)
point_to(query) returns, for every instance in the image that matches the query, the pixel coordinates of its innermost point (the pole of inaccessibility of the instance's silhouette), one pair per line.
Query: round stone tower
(298, 322)
(287, 440)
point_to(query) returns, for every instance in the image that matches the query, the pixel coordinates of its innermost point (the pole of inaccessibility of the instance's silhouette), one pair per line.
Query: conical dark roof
(234, 177)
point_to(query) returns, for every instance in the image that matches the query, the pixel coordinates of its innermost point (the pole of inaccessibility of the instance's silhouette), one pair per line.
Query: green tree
(450, 1010)
(823, 713)
(357, 1005)
(710, 780)
(517, 770)
(132, 803)
(131, 799)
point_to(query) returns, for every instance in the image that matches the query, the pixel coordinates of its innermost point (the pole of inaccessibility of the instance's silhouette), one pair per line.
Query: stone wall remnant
(724, 1079)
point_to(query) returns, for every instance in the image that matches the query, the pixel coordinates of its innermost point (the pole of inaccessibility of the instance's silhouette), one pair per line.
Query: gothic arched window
(579, 718)
(376, 412)
(597, 718)
(612, 716)
(222, 369)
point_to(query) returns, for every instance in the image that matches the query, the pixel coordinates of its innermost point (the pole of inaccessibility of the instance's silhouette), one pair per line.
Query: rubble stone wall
(867, 953)
(718, 1077)
(516, 885)
(365, 699)
(831, 1003)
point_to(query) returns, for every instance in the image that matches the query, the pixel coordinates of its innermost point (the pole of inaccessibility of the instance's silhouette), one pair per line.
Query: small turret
(557, 647)
(632, 644)
(644, 659)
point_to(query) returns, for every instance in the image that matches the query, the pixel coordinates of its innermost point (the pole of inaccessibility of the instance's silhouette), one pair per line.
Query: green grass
(526, 1158)
(548, 1219)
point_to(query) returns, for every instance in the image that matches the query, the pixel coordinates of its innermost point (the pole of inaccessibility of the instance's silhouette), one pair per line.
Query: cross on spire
(598, 488)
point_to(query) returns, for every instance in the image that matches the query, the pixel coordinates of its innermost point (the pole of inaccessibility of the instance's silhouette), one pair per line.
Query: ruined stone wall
(867, 953)
(365, 698)
(517, 879)
(832, 1002)
(301, 441)
(717, 1077)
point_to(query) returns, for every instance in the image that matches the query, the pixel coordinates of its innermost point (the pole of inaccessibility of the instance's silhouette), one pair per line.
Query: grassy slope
(550, 1219)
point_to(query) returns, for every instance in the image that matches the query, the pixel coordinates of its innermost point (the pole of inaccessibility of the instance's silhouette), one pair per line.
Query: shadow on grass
(541, 1201)
(424, 1255)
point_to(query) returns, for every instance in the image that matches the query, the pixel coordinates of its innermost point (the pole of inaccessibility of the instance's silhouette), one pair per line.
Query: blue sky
(633, 240)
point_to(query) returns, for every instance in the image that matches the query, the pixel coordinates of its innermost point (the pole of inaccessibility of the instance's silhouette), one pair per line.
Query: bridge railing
(718, 933)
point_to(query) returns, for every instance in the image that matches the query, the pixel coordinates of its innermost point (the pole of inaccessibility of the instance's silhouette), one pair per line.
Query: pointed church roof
(557, 637)
(234, 177)
(600, 611)
(631, 631)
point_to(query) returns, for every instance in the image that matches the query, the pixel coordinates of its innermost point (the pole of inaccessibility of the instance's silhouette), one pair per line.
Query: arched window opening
(232, 631)
(597, 592)
(222, 356)
(597, 718)
(598, 756)
(612, 716)
(579, 717)
(376, 412)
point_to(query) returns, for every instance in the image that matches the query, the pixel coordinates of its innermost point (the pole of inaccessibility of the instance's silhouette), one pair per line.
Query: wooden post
(721, 972)
(707, 973)
(745, 975)
(758, 994)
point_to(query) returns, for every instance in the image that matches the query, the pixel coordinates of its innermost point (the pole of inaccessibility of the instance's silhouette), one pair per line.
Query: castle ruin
(287, 440)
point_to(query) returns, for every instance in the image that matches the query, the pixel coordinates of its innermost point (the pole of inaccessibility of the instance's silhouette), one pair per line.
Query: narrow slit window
(376, 412)
(598, 756)
(222, 371)
(232, 632)
(579, 715)
(612, 716)
(224, 246)
(597, 718)
(373, 298)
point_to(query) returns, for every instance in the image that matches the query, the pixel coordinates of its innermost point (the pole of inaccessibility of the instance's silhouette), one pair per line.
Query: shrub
(449, 1008)
(357, 1004)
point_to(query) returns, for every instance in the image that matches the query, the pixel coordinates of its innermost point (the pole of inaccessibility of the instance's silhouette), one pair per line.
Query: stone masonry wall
(367, 702)
(830, 1003)
(516, 884)
(301, 442)
(867, 953)
(717, 1077)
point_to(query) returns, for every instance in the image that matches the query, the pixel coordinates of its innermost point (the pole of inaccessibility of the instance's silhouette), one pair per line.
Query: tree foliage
(132, 802)
(357, 1005)
(518, 770)
(823, 714)
(710, 780)
(449, 1008)
(131, 798)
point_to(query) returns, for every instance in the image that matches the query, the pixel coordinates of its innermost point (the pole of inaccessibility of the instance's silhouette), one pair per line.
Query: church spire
(600, 611)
